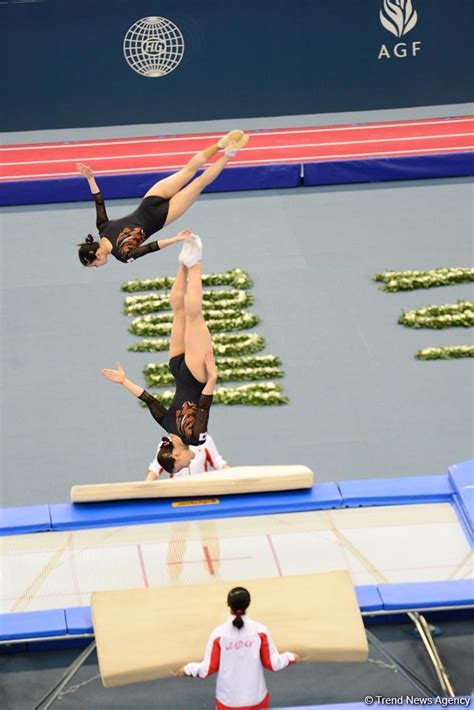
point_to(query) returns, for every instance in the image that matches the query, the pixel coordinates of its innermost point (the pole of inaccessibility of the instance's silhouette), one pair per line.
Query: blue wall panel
(241, 59)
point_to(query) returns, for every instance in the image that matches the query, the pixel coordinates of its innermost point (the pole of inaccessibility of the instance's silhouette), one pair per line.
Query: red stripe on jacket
(265, 652)
(215, 657)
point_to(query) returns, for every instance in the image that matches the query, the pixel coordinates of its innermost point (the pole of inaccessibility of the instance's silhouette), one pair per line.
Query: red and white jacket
(239, 657)
(206, 458)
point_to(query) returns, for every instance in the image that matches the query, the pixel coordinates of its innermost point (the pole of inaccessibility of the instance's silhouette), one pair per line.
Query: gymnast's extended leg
(170, 186)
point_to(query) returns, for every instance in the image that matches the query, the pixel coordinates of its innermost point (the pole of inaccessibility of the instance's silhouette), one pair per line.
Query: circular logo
(153, 46)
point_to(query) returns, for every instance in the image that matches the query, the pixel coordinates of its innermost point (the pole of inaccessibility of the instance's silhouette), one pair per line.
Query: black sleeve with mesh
(101, 212)
(157, 410)
(139, 251)
(202, 415)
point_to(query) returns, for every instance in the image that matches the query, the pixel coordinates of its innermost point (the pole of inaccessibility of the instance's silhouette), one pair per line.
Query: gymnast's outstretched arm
(101, 212)
(155, 246)
(157, 410)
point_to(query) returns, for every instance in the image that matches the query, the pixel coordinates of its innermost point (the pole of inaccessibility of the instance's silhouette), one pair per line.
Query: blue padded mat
(462, 479)
(389, 597)
(396, 491)
(74, 189)
(416, 167)
(425, 595)
(72, 516)
(79, 620)
(27, 519)
(32, 624)
(368, 598)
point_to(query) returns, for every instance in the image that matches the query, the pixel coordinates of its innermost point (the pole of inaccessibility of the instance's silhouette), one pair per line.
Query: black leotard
(128, 233)
(188, 414)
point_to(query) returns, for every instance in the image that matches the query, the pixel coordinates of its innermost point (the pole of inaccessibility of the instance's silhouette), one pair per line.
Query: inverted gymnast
(205, 456)
(164, 203)
(238, 651)
(191, 362)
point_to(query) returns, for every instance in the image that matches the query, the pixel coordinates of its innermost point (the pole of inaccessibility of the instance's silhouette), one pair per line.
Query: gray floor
(28, 676)
(361, 405)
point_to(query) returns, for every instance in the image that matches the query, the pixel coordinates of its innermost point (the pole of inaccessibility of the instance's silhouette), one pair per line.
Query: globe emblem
(153, 46)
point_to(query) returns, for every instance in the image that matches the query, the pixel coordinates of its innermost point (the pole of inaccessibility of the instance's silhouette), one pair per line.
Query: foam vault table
(127, 623)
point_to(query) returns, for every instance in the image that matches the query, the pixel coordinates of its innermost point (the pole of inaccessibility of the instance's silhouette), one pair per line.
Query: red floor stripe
(142, 566)
(275, 556)
(209, 560)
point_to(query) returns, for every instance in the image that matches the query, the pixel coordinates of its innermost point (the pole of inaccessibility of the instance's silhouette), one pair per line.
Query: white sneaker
(191, 252)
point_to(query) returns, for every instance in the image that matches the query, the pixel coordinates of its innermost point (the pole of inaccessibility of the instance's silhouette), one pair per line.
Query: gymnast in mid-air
(164, 203)
(191, 362)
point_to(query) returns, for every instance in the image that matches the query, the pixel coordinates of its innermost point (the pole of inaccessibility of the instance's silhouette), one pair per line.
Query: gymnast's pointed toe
(235, 135)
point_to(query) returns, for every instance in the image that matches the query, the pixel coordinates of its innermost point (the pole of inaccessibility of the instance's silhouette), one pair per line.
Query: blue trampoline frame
(456, 487)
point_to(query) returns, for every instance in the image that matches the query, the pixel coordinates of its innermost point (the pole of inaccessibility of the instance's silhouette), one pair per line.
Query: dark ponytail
(165, 455)
(87, 250)
(238, 600)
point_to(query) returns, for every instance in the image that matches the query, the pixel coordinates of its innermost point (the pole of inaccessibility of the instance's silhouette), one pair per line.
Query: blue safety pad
(396, 491)
(461, 476)
(427, 595)
(79, 620)
(338, 172)
(74, 189)
(74, 516)
(368, 598)
(28, 519)
(32, 624)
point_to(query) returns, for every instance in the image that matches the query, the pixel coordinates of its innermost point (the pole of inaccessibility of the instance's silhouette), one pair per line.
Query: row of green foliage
(234, 277)
(452, 352)
(152, 303)
(410, 280)
(149, 326)
(460, 314)
(264, 393)
(222, 343)
(230, 369)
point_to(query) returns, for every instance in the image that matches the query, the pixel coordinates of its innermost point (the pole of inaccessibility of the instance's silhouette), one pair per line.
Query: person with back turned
(238, 651)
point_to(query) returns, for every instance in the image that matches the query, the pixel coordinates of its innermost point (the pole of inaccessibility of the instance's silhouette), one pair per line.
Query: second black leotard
(188, 413)
(128, 233)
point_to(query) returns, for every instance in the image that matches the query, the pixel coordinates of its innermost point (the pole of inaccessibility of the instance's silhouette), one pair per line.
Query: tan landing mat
(144, 634)
(239, 479)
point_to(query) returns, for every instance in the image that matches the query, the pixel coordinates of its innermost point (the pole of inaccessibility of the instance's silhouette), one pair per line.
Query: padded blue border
(425, 595)
(323, 496)
(461, 476)
(74, 516)
(375, 598)
(79, 620)
(74, 189)
(32, 624)
(396, 491)
(417, 167)
(25, 519)
(255, 177)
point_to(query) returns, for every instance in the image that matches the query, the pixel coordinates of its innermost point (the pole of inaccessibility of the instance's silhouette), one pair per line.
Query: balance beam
(145, 634)
(239, 479)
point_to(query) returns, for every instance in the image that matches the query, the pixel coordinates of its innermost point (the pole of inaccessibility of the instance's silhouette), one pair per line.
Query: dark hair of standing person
(238, 600)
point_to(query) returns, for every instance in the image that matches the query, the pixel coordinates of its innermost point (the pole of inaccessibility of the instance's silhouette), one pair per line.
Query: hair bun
(89, 239)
